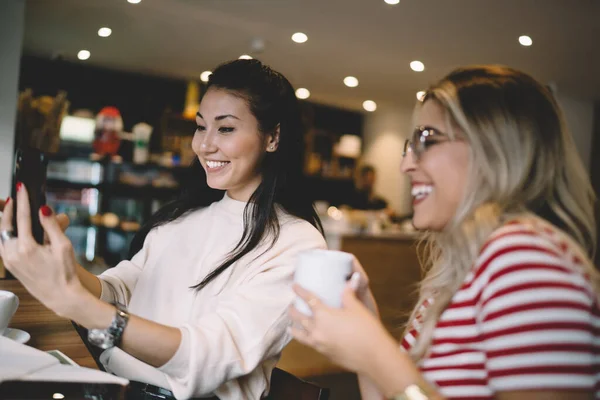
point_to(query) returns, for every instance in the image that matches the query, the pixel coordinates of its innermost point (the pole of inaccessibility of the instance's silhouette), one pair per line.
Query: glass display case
(108, 202)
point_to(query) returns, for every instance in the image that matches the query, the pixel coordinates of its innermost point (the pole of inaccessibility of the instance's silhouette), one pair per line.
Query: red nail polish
(7, 201)
(19, 185)
(46, 211)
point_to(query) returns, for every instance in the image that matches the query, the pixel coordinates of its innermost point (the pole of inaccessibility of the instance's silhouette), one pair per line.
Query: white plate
(17, 335)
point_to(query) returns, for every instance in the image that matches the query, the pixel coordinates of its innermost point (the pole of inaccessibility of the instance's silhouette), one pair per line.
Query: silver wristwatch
(111, 336)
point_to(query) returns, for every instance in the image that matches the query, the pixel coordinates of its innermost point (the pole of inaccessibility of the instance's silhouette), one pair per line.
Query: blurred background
(113, 87)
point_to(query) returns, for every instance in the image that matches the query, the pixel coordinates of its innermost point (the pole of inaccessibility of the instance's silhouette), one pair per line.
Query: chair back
(285, 386)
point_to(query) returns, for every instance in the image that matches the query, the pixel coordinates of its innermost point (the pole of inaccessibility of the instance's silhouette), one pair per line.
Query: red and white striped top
(525, 317)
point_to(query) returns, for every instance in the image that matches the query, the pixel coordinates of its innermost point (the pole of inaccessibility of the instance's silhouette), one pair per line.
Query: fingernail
(19, 186)
(7, 201)
(46, 211)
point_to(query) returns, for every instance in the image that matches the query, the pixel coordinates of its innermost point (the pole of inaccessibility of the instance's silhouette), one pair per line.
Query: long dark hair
(273, 103)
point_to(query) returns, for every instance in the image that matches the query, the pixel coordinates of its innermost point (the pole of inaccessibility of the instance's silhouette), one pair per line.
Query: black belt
(146, 391)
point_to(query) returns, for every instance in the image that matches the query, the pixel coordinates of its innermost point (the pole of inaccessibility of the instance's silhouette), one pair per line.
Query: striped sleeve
(537, 316)
(412, 332)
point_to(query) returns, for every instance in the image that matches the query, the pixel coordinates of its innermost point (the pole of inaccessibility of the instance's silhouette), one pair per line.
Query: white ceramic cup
(9, 303)
(324, 273)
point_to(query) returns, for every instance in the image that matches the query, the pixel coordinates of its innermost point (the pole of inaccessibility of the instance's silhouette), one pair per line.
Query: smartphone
(95, 352)
(31, 167)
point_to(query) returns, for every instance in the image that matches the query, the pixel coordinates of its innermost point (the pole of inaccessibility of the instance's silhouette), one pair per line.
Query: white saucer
(17, 335)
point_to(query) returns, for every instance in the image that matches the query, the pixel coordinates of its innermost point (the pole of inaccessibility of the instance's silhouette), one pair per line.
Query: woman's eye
(224, 129)
(431, 142)
(200, 128)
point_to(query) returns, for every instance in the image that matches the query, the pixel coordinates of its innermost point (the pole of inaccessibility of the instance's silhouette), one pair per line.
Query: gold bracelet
(412, 392)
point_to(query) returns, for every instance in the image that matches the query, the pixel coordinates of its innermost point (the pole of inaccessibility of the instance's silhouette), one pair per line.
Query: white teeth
(216, 164)
(421, 191)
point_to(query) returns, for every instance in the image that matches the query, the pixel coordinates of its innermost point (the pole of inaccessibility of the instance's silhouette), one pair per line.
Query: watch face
(101, 338)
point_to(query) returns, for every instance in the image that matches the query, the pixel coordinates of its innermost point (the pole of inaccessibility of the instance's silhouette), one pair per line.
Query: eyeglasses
(423, 138)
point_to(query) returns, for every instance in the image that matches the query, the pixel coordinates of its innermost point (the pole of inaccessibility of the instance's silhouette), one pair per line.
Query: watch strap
(111, 336)
(118, 324)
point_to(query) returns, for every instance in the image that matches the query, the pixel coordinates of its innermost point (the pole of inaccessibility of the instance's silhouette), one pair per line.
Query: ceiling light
(421, 95)
(417, 66)
(133, 1)
(299, 37)
(369, 105)
(350, 81)
(525, 40)
(204, 76)
(245, 57)
(83, 55)
(392, 2)
(104, 32)
(302, 93)
(58, 396)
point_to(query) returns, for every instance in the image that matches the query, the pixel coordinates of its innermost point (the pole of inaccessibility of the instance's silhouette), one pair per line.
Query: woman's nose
(408, 162)
(207, 143)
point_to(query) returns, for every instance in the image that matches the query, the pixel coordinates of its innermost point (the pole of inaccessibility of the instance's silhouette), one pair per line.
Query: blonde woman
(508, 307)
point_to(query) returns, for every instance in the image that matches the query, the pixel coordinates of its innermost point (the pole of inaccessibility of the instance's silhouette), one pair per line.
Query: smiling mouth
(420, 193)
(216, 166)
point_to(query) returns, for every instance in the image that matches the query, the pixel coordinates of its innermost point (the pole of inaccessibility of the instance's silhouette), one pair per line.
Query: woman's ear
(273, 140)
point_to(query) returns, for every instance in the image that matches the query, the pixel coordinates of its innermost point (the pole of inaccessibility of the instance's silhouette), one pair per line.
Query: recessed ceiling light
(369, 105)
(417, 66)
(58, 396)
(133, 1)
(302, 93)
(392, 2)
(350, 81)
(104, 32)
(421, 95)
(204, 76)
(299, 37)
(525, 40)
(83, 55)
(245, 57)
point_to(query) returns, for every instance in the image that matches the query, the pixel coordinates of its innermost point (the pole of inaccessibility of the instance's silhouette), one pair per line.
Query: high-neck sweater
(234, 329)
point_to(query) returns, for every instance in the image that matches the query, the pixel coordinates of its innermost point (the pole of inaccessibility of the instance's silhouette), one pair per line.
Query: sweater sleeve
(247, 327)
(119, 282)
(537, 318)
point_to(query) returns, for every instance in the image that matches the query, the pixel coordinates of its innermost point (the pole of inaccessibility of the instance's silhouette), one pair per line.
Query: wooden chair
(285, 386)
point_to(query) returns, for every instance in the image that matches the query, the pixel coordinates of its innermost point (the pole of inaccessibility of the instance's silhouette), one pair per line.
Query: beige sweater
(234, 329)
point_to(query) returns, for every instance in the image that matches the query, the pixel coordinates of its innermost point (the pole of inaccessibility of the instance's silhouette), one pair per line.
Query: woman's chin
(424, 224)
(216, 184)
(418, 222)
(432, 226)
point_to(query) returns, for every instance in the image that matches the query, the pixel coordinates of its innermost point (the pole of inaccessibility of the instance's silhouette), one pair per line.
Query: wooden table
(48, 331)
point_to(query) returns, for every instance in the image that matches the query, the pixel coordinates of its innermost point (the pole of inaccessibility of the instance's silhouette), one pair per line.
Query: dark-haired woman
(200, 309)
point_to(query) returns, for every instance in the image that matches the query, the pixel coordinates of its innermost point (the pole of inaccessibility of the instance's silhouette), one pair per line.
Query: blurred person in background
(200, 308)
(364, 196)
(508, 308)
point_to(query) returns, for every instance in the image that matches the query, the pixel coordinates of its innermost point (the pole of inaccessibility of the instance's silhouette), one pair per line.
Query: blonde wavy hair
(523, 161)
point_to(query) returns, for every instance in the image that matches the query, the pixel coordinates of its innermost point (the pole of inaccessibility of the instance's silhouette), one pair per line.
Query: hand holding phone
(30, 170)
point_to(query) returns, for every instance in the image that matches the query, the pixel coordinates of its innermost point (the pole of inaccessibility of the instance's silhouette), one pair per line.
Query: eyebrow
(219, 117)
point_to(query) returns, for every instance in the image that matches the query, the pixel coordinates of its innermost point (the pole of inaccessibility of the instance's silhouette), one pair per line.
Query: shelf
(63, 184)
(151, 166)
(143, 192)
(118, 189)
(117, 230)
(102, 228)
(106, 162)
